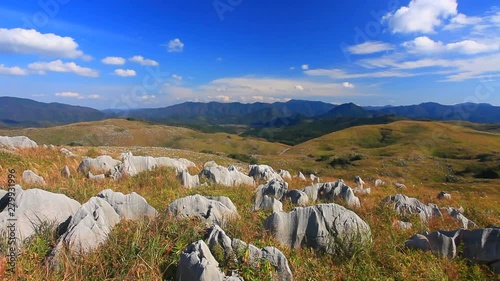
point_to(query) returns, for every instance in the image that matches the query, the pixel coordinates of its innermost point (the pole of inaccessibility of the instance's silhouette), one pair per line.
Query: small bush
(244, 158)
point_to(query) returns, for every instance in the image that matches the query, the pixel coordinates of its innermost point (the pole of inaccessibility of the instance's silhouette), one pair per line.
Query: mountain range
(299, 118)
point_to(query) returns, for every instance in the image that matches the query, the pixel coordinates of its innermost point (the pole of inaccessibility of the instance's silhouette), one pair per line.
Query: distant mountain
(18, 112)
(230, 113)
(472, 112)
(350, 110)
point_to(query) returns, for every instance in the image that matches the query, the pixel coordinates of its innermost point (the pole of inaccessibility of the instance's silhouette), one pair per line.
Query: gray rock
(444, 195)
(359, 182)
(197, 263)
(133, 165)
(332, 191)
(29, 177)
(268, 203)
(314, 178)
(457, 214)
(35, 207)
(67, 152)
(480, 246)
(89, 227)
(65, 172)
(405, 205)
(320, 227)
(92, 177)
(233, 247)
(302, 177)
(285, 174)
(17, 142)
(263, 173)
(210, 210)
(297, 197)
(130, 207)
(224, 176)
(379, 182)
(189, 181)
(400, 186)
(362, 191)
(101, 164)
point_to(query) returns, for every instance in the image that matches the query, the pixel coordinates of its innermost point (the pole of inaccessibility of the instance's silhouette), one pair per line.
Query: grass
(150, 249)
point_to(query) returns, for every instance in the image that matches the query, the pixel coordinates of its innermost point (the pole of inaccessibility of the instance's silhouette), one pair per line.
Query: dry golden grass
(149, 249)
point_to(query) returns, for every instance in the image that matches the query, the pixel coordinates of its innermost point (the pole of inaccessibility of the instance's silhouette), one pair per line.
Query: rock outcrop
(225, 176)
(133, 165)
(17, 142)
(444, 195)
(36, 207)
(65, 172)
(130, 207)
(101, 164)
(263, 173)
(214, 210)
(332, 191)
(189, 181)
(480, 246)
(235, 249)
(321, 227)
(29, 177)
(285, 174)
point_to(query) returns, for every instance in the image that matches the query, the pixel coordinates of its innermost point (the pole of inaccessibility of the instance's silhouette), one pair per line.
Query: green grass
(150, 249)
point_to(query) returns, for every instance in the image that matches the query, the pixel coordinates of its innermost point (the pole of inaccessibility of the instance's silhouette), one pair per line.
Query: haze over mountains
(300, 119)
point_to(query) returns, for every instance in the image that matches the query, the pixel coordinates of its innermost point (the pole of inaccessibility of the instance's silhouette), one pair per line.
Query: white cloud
(305, 67)
(461, 20)
(175, 76)
(59, 66)
(113, 60)
(299, 87)
(220, 59)
(339, 74)
(142, 61)
(369, 47)
(94, 97)
(125, 72)
(30, 41)
(68, 94)
(292, 68)
(14, 70)
(175, 46)
(424, 44)
(421, 16)
(348, 85)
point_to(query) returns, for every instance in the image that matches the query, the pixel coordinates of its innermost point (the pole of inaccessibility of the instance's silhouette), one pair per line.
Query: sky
(138, 54)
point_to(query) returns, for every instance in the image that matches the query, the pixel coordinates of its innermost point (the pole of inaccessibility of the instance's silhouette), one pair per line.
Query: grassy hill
(428, 157)
(121, 132)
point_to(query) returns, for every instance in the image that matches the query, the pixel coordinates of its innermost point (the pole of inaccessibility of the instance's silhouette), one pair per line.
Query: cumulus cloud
(142, 61)
(339, 74)
(175, 46)
(30, 41)
(59, 66)
(424, 44)
(421, 16)
(113, 60)
(175, 76)
(369, 47)
(14, 70)
(461, 20)
(348, 85)
(305, 67)
(125, 72)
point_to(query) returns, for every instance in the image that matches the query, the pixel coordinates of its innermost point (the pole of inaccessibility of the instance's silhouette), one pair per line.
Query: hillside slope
(119, 132)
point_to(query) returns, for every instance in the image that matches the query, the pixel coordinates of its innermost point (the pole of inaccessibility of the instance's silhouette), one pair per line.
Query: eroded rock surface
(29, 177)
(100, 164)
(17, 142)
(263, 173)
(332, 191)
(225, 176)
(130, 207)
(216, 210)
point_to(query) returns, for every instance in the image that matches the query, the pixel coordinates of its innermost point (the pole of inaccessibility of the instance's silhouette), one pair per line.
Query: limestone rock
(29, 177)
(67, 152)
(332, 191)
(457, 214)
(17, 142)
(405, 205)
(225, 176)
(359, 182)
(233, 247)
(302, 177)
(444, 195)
(319, 227)
(130, 207)
(89, 227)
(263, 173)
(92, 177)
(379, 182)
(35, 207)
(65, 172)
(211, 210)
(189, 181)
(101, 164)
(285, 174)
(297, 197)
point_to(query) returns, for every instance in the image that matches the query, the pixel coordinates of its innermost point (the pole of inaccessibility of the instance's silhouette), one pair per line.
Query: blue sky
(134, 54)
